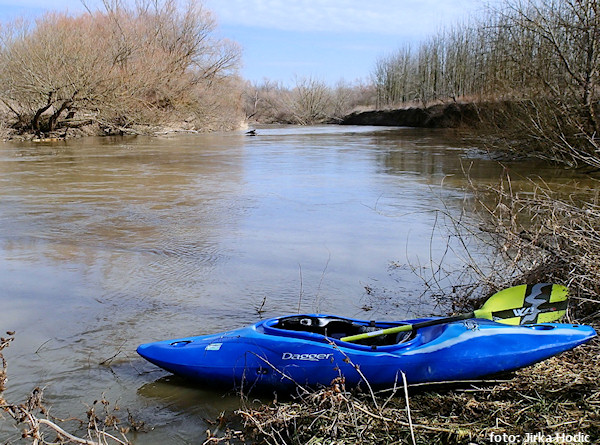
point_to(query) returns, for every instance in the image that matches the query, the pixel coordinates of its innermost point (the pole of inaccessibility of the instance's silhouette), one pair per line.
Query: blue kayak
(306, 350)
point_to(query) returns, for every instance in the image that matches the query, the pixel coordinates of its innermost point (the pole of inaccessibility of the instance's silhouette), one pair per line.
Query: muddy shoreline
(453, 115)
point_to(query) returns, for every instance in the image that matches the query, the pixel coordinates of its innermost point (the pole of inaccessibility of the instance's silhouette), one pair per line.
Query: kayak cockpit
(334, 327)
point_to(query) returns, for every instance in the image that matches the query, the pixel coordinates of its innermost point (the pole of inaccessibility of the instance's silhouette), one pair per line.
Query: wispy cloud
(399, 17)
(394, 17)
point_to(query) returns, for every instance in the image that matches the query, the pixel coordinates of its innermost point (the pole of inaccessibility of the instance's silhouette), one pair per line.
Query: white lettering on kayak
(305, 357)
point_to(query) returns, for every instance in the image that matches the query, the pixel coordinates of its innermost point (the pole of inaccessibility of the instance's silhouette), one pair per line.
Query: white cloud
(378, 16)
(394, 17)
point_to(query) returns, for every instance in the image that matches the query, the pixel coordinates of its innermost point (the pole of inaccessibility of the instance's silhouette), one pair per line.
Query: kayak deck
(336, 328)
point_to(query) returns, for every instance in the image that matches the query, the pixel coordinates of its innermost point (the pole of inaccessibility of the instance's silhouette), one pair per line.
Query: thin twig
(412, 431)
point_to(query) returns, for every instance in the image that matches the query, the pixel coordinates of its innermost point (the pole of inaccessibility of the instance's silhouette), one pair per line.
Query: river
(106, 243)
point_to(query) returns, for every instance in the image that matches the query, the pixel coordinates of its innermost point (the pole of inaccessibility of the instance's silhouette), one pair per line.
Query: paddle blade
(526, 304)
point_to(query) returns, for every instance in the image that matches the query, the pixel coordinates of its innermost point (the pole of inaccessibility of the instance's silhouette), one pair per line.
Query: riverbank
(558, 398)
(452, 115)
(78, 128)
(463, 115)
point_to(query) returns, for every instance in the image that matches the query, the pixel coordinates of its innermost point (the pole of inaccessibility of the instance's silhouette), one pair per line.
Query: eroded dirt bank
(452, 115)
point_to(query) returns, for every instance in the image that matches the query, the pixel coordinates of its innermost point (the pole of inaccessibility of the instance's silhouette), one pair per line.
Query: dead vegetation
(542, 234)
(309, 101)
(558, 396)
(34, 424)
(123, 68)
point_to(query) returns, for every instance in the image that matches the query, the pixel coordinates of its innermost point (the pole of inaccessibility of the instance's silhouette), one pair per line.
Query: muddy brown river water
(109, 243)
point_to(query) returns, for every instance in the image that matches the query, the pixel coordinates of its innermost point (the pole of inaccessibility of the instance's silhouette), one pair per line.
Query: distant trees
(155, 63)
(447, 66)
(308, 101)
(542, 57)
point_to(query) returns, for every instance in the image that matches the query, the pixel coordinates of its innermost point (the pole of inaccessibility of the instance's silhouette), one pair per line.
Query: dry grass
(544, 235)
(558, 396)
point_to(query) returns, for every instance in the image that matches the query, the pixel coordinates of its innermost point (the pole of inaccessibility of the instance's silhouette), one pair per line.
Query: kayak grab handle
(181, 343)
(541, 327)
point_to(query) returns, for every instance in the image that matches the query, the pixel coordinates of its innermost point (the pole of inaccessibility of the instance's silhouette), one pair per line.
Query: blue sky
(328, 40)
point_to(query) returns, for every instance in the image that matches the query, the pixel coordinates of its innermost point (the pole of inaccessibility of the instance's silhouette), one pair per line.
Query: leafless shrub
(267, 102)
(154, 63)
(310, 101)
(348, 97)
(547, 235)
(520, 234)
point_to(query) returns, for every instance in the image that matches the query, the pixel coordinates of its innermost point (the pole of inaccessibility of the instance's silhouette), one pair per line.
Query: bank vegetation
(125, 67)
(532, 65)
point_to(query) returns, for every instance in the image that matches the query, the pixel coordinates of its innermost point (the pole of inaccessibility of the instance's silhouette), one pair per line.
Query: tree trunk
(54, 118)
(35, 122)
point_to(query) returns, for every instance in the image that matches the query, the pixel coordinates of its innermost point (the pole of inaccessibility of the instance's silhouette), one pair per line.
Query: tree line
(536, 60)
(532, 65)
(308, 101)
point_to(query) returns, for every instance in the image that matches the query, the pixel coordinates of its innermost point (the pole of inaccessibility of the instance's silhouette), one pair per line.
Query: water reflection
(176, 406)
(108, 243)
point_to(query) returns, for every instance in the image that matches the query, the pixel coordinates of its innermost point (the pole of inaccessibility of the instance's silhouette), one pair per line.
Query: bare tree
(394, 78)
(540, 57)
(310, 101)
(153, 63)
(561, 62)
(48, 67)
